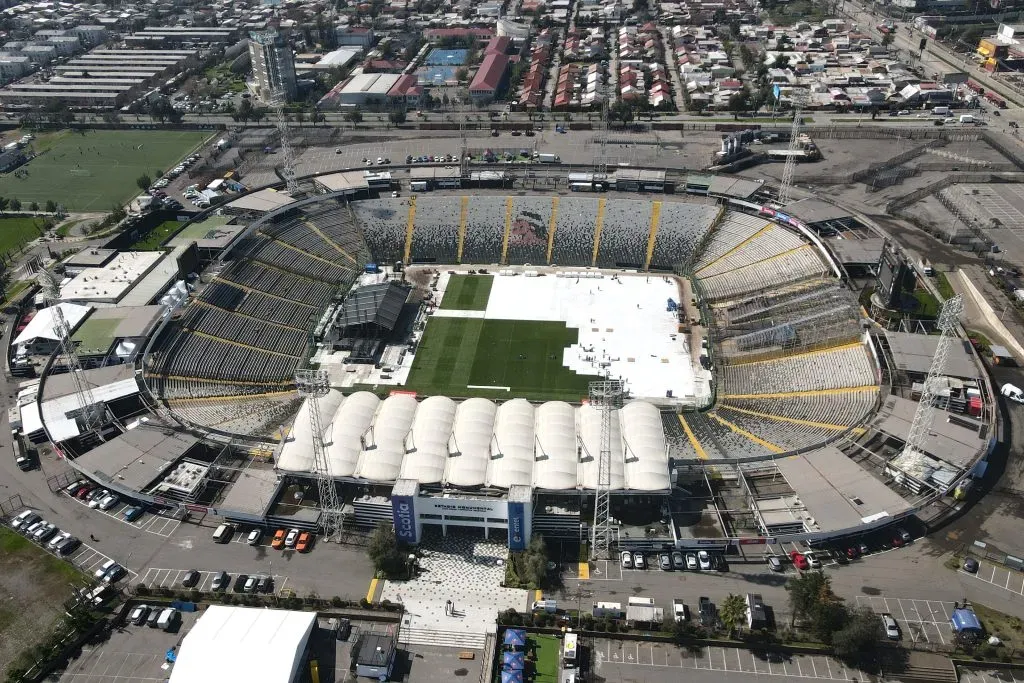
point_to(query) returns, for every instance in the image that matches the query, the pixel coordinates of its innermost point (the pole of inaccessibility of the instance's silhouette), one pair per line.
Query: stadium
(460, 333)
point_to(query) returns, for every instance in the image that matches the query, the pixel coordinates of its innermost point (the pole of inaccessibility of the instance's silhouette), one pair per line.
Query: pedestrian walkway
(457, 592)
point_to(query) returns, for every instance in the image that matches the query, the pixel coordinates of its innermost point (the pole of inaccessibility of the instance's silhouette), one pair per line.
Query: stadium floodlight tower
(785, 189)
(606, 396)
(91, 412)
(288, 157)
(314, 384)
(913, 448)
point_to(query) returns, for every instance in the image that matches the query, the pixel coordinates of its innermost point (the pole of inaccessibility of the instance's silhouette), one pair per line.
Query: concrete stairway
(454, 639)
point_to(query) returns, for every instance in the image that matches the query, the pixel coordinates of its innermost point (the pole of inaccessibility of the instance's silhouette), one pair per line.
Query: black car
(68, 545)
(718, 563)
(265, 585)
(707, 611)
(970, 565)
(240, 582)
(221, 581)
(191, 578)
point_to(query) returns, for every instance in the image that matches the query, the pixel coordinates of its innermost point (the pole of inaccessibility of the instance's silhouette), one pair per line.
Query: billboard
(516, 526)
(404, 512)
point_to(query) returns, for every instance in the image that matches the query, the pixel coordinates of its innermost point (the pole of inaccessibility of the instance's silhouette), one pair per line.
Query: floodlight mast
(87, 405)
(789, 170)
(314, 384)
(288, 157)
(606, 396)
(949, 317)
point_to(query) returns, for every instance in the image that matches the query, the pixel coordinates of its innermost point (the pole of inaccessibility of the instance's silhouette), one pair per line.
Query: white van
(550, 606)
(1013, 393)
(966, 118)
(167, 619)
(223, 533)
(941, 111)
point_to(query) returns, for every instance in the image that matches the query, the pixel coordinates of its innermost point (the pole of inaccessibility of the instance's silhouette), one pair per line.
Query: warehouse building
(170, 36)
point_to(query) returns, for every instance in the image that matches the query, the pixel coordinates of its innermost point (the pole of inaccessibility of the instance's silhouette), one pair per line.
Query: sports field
(467, 292)
(14, 232)
(496, 358)
(96, 170)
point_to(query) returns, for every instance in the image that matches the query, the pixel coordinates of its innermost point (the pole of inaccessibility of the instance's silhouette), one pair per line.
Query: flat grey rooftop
(857, 251)
(252, 492)
(815, 211)
(945, 440)
(64, 385)
(914, 353)
(137, 457)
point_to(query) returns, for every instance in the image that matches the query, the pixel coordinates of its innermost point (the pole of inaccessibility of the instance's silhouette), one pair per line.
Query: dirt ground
(33, 588)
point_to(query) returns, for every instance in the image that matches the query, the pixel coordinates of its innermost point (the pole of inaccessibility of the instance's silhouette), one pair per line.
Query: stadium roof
(262, 200)
(41, 326)
(347, 181)
(945, 439)
(213, 232)
(106, 325)
(476, 443)
(812, 211)
(243, 644)
(733, 187)
(915, 352)
(138, 456)
(867, 250)
(374, 305)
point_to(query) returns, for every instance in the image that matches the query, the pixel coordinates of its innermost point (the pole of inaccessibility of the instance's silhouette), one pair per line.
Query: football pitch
(496, 359)
(95, 170)
(467, 292)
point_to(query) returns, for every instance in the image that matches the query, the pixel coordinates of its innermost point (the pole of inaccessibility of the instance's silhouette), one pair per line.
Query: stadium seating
(435, 238)
(833, 369)
(574, 232)
(731, 231)
(843, 409)
(682, 228)
(384, 223)
(624, 236)
(528, 231)
(764, 245)
(485, 230)
(789, 266)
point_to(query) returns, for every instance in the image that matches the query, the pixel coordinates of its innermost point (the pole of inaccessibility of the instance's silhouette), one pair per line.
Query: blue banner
(404, 509)
(516, 526)
(777, 91)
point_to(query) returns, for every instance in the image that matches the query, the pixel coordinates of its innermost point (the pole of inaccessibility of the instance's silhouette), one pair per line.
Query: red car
(799, 561)
(852, 553)
(84, 491)
(897, 542)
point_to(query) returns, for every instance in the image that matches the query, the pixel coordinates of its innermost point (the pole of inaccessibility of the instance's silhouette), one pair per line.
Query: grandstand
(231, 353)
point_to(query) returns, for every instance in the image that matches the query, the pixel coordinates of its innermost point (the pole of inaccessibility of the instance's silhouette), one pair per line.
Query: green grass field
(151, 242)
(96, 170)
(524, 355)
(467, 292)
(547, 650)
(14, 232)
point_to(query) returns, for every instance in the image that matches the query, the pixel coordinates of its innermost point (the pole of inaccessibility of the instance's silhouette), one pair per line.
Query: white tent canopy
(41, 326)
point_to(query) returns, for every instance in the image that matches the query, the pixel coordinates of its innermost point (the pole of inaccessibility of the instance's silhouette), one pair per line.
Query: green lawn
(96, 170)
(14, 232)
(467, 292)
(547, 651)
(524, 355)
(152, 241)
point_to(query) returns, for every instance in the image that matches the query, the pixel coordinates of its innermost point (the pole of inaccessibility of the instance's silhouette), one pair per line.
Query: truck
(941, 111)
(680, 611)
(966, 118)
(549, 158)
(419, 186)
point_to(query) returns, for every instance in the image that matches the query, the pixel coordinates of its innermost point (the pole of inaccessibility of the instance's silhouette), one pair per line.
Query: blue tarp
(965, 620)
(513, 661)
(516, 637)
(171, 655)
(512, 676)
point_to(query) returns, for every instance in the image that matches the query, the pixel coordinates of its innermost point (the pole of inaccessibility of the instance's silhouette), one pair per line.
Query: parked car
(305, 542)
(139, 615)
(970, 565)
(904, 534)
(68, 545)
(897, 541)
(707, 611)
(44, 532)
(266, 584)
(638, 561)
(57, 540)
(240, 582)
(626, 559)
(191, 578)
(96, 497)
(892, 629)
(108, 502)
(665, 562)
(24, 519)
(133, 513)
(250, 584)
(812, 560)
(84, 492)
(254, 537)
(691, 561)
(677, 560)
(799, 561)
(278, 541)
(104, 568)
(704, 560)
(774, 563)
(291, 538)
(71, 488)
(114, 574)
(220, 581)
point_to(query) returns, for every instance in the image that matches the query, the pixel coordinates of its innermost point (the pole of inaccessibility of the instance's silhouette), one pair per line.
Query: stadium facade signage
(516, 526)
(404, 511)
(484, 508)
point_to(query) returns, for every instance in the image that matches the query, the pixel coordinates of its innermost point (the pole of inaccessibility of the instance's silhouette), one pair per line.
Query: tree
(354, 117)
(533, 566)
(461, 74)
(805, 591)
(739, 102)
(397, 117)
(51, 206)
(34, 206)
(858, 637)
(385, 553)
(887, 38)
(15, 204)
(244, 112)
(144, 181)
(732, 611)
(259, 113)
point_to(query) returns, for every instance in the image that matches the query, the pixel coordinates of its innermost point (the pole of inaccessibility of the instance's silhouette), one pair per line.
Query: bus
(569, 651)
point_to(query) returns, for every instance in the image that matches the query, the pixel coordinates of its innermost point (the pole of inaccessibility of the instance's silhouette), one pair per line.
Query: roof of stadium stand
(243, 644)
(477, 443)
(915, 352)
(814, 210)
(374, 304)
(868, 250)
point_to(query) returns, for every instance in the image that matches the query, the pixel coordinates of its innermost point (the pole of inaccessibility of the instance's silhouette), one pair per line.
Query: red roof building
(491, 79)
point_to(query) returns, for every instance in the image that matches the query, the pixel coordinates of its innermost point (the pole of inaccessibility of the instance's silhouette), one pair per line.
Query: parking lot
(920, 620)
(133, 653)
(1007, 675)
(148, 522)
(171, 578)
(614, 660)
(1010, 580)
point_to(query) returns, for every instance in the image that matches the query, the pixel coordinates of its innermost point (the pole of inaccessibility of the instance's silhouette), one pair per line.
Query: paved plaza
(462, 568)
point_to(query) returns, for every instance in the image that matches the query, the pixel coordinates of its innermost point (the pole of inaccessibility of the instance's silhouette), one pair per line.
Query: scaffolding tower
(911, 458)
(786, 188)
(606, 396)
(287, 156)
(314, 384)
